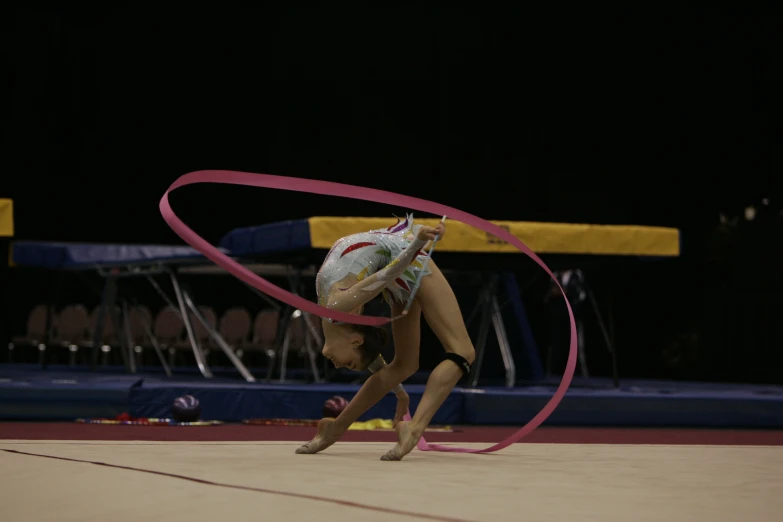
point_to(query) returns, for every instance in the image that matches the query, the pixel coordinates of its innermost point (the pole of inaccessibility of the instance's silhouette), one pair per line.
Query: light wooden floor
(526, 482)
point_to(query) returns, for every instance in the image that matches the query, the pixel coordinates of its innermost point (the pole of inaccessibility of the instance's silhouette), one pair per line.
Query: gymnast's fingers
(427, 233)
(440, 229)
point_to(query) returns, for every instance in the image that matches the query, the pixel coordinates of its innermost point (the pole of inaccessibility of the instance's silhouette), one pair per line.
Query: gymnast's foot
(327, 435)
(407, 437)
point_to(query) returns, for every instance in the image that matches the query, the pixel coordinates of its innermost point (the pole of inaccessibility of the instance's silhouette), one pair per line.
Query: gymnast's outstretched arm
(407, 339)
(407, 335)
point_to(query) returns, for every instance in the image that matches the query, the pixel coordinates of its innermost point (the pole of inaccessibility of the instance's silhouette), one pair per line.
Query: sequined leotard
(365, 253)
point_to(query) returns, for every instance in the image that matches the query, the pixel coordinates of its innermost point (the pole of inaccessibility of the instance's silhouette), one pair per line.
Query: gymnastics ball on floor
(186, 409)
(334, 407)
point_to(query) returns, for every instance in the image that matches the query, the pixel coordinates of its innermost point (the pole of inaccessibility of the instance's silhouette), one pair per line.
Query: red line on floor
(345, 503)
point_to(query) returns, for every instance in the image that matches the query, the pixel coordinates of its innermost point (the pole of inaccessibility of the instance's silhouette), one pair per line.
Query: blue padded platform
(236, 402)
(640, 404)
(274, 238)
(47, 395)
(69, 394)
(90, 255)
(644, 404)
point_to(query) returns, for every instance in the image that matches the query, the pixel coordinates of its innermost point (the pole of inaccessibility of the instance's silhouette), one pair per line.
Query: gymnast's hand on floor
(403, 401)
(328, 434)
(428, 233)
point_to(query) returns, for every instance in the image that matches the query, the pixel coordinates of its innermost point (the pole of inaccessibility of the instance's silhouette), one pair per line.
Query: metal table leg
(505, 349)
(121, 329)
(156, 346)
(197, 351)
(108, 300)
(218, 339)
(127, 339)
(481, 340)
(181, 307)
(492, 314)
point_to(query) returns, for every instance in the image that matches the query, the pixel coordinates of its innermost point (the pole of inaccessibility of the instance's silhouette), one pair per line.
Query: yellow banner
(6, 218)
(543, 238)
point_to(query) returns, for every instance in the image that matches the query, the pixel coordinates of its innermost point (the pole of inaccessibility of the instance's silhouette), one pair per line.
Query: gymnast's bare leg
(442, 313)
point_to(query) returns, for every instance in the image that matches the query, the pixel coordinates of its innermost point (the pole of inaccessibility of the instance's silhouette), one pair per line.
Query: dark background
(667, 116)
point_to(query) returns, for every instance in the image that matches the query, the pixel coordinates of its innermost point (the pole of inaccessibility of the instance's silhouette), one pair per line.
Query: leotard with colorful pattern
(365, 253)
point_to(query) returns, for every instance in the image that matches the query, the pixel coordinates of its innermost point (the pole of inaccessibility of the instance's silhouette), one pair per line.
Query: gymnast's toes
(392, 454)
(306, 448)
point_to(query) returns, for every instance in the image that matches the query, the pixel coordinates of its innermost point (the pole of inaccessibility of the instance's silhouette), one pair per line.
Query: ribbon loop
(328, 188)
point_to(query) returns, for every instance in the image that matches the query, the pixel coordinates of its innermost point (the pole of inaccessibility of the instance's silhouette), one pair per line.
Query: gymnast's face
(341, 346)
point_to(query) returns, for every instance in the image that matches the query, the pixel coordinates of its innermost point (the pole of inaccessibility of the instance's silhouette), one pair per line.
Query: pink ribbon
(328, 188)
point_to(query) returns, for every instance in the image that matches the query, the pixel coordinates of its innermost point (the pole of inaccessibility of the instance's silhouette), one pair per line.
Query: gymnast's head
(354, 346)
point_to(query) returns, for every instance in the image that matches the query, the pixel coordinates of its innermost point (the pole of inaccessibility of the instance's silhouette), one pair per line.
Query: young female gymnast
(390, 262)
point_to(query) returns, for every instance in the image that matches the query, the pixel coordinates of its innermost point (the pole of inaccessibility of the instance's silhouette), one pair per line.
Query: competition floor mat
(91, 480)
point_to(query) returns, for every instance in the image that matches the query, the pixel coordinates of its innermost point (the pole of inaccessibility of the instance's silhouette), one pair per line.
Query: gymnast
(390, 262)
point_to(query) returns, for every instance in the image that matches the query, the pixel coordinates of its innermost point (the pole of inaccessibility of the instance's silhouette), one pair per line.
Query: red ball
(334, 407)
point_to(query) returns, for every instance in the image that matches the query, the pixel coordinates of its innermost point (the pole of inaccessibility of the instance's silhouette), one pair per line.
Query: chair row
(74, 328)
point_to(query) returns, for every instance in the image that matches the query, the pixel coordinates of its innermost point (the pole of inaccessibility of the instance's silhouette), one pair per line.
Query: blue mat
(57, 256)
(646, 404)
(273, 238)
(63, 395)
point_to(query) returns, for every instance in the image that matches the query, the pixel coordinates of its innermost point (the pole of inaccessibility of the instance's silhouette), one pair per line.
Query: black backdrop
(658, 117)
